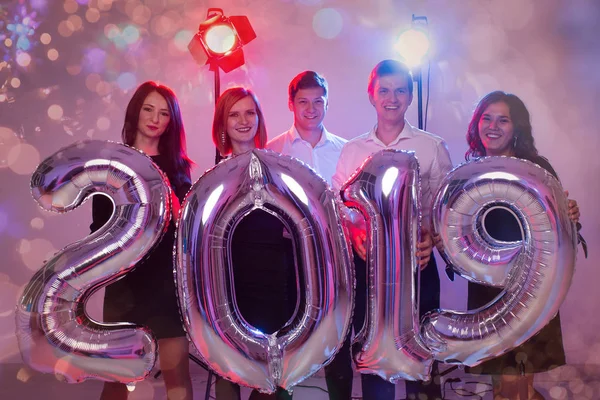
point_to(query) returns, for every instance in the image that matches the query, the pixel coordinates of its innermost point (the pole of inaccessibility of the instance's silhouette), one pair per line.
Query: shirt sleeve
(341, 175)
(441, 165)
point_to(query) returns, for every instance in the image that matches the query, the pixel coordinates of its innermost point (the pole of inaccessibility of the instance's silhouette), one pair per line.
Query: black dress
(147, 294)
(264, 271)
(545, 350)
(264, 278)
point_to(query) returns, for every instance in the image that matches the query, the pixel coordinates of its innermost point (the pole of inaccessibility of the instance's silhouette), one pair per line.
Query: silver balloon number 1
(386, 191)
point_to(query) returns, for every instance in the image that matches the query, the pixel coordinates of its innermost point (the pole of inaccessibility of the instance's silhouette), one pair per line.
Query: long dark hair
(219, 128)
(523, 143)
(172, 142)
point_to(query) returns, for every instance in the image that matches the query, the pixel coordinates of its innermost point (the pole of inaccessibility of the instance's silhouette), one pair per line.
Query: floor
(567, 382)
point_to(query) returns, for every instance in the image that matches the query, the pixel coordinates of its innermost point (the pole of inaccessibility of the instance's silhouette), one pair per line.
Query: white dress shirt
(322, 158)
(431, 152)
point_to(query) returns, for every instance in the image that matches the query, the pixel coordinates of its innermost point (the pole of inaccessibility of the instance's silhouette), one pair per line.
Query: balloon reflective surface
(535, 272)
(53, 330)
(287, 189)
(385, 189)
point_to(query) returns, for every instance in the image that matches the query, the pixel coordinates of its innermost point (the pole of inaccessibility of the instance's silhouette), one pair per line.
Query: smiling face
(242, 124)
(496, 130)
(309, 107)
(154, 117)
(391, 97)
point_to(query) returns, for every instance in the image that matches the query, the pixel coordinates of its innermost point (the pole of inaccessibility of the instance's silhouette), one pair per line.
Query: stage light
(413, 47)
(413, 44)
(220, 39)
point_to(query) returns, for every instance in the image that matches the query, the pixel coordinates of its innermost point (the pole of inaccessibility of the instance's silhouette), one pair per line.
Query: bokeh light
(15, 82)
(55, 112)
(164, 24)
(8, 140)
(66, 28)
(127, 81)
(104, 5)
(92, 15)
(74, 69)
(328, 23)
(91, 81)
(141, 14)
(35, 252)
(111, 31)
(76, 21)
(182, 39)
(103, 88)
(23, 59)
(45, 38)
(130, 34)
(23, 43)
(94, 60)
(53, 54)
(70, 6)
(37, 223)
(23, 159)
(103, 123)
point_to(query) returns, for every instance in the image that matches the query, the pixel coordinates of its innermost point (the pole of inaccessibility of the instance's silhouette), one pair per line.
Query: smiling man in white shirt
(307, 139)
(391, 93)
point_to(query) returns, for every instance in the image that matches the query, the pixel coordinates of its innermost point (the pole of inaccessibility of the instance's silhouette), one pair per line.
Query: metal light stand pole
(419, 78)
(215, 68)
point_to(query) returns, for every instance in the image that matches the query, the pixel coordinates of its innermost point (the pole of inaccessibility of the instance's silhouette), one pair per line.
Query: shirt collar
(407, 132)
(294, 135)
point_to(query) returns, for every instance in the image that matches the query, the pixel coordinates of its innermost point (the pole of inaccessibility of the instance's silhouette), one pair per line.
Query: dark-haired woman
(147, 295)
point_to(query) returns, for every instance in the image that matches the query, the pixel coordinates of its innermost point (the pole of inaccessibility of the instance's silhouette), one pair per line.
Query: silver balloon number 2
(285, 188)
(53, 330)
(534, 272)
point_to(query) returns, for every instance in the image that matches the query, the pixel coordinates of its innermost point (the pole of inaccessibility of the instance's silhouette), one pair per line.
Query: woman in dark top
(501, 127)
(262, 256)
(147, 295)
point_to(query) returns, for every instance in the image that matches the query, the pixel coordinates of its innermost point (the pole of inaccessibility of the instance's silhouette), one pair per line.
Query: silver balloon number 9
(53, 330)
(534, 272)
(285, 188)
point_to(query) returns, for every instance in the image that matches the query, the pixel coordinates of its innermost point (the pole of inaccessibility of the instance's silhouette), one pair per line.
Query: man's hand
(359, 238)
(574, 213)
(424, 248)
(357, 227)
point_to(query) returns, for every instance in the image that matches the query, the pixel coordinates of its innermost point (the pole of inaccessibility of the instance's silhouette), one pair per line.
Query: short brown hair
(306, 80)
(390, 67)
(219, 128)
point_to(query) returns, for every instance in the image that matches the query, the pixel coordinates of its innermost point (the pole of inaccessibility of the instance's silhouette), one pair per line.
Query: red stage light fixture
(220, 39)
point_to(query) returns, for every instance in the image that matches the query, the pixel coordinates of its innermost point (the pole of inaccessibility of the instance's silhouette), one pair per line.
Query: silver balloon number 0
(53, 330)
(285, 188)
